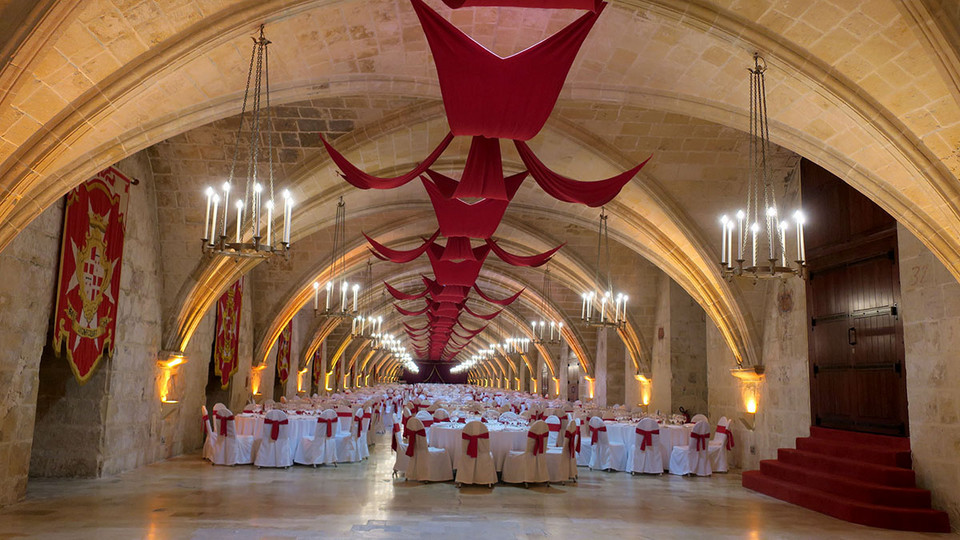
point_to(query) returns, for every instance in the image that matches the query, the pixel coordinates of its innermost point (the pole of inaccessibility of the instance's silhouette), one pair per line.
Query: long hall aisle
(186, 497)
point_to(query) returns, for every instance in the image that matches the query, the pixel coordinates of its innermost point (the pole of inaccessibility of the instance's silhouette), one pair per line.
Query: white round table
(300, 426)
(503, 439)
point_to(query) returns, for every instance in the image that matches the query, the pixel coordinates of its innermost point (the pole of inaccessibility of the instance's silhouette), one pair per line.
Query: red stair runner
(856, 477)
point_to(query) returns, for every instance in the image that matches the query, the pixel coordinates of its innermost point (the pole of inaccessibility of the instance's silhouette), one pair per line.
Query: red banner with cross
(283, 353)
(226, 347)
(88, 289)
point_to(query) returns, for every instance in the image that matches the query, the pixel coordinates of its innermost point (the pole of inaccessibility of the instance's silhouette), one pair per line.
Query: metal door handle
(852, 336)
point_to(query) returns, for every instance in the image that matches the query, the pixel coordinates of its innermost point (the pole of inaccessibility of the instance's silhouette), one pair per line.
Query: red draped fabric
(489, 317)
(403, 296)
(504, 302)
(505, 98)
(458, 248)
(397, 255)
(596, 193)
(592, 5)
(521, 260)
(362, 180)
(410, 313)
(462, 274)
(485, 215)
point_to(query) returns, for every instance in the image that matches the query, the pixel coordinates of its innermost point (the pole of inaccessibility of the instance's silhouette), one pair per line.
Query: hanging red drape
(596, 193)
(483, 172)
(488, 317)
(362, 180)
(500, 98)
(540, 4)
(463, 273)
(500, 302)
(403, 296)
(458, 248)
(414, 328)
(521, 260)
(411, 313)
(458, 218)
(397, 255)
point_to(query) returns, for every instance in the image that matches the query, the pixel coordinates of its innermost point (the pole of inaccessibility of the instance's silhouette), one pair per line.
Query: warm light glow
(751, 405)
(590, 385)
(168, 367)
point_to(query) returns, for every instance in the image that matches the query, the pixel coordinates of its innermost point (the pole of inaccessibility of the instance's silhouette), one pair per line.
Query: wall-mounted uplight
(256, 378)
(750, 380)
(169, 375)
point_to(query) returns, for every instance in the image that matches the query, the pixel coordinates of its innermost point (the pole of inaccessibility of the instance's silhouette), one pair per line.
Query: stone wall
(679, 352)
(930, 299)
(28, 264)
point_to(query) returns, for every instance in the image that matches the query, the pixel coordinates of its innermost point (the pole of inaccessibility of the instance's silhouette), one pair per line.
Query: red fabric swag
(456, 273)
(521, 260)
(403, 296)
(504, 302)
(596, 193)
(458, 248)
(362, 180)
(488, 317)
(411, 313)
(592, 5)
(397, 255)
(458, 218)
(500, 98)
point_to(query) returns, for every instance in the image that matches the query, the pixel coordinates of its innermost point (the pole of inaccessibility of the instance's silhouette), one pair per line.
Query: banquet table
(670, 436)
(300, 426)
(503, 439)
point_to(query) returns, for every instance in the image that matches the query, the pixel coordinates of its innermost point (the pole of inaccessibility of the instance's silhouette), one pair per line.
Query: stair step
(866, 439)
(888, 517)
(890, 457)
(860, 470)
(866, 492)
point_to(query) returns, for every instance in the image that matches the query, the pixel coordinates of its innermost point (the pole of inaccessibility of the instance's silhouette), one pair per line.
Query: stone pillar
(616, 355)
(563, 370)
(661, 393)
(679, 352)
(600, 369)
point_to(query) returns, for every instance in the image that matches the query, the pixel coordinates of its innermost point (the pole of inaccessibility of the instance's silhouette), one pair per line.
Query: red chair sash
(554, 427)
(539, 442)
(701, 440)
(573, 442)
(393, 439)
(595, 433)
(412, 439)
(729, 434)
(359, 421)
(427, 422)
(473, 443)
(647, 437)
(344, 414)
(329, 422)
(206, 424)
(223, 423)
(275, 426)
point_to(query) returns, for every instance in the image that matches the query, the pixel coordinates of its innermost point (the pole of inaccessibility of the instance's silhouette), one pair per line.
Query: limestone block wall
(661, 393)
(688, 354)
(931, 335)
(28, 268)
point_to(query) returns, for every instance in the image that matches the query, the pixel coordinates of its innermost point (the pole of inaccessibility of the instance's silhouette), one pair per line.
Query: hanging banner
(283, 353)
(88, 289)
(226, 347)
(317, 370)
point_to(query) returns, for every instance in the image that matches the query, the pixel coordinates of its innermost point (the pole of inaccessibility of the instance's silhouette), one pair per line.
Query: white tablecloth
(670, 436)
(300, 426)
(503, 439)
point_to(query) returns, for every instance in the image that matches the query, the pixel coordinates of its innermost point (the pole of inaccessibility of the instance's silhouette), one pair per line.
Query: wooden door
(857, 379)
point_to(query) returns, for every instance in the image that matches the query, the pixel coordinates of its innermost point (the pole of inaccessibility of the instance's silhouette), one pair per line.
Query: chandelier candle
(239, 218)
(740, 216)
(343, 296)
(226, 203)
(206, 219)
(270, 223)
(287, 210)
(316, 295)
(257, 190)
(213, 222)
(723, 239)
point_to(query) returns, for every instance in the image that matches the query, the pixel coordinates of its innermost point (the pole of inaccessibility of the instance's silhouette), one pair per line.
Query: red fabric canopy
(397, 255)
(459, 218)
(597, 193)
(503, 98)
(458, 248)
(521, 260)
(593, 5)
(503, 302)
(404, 296)
(362, 180)
(489, 317)
(463, 273)
(410, 312)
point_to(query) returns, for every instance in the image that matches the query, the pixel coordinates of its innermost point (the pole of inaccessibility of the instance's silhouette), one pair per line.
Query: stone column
(563, 369)
(600, 369)
(616, 355)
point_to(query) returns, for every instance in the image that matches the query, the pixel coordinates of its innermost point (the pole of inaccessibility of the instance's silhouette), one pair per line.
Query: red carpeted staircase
(856, 477)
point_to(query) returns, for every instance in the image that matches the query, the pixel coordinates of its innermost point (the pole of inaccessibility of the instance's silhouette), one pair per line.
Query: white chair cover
(644, 456)
(530, 465)
(586, 445)
(348, 447)
(359, 429)
(400, 465)
(230, 448)
(479, 469)
(210, 437)
(562, 460)
(508, 417)
(441, 415)
(274, 451)
(426, 464)
(699, 418)
(322, 448)
(553, 424)
(693, 458)
(344, 418)
(722, 441)
(606, 455)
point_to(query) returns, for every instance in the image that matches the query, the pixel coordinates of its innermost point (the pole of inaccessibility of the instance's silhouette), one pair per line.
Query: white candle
(603, 306)
(363, 324)
(740, 216)
(239, 218)
(270, 222)
(206, 219)
(553, 327)
(329, 289)
(226, 203)
(583, 306)
(755, 228)
(356, 288)
(730, 244)
(257, 188)
(213, 222)
(316, 295)
(723, 239)
(772, 229)
(343, 295)
(287, 211)
(783, 243)
(799, 219)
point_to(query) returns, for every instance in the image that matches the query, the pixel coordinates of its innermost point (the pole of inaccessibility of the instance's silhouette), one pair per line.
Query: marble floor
(186, 497)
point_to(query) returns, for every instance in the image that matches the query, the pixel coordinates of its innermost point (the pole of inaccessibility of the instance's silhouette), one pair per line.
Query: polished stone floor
(188, 498)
